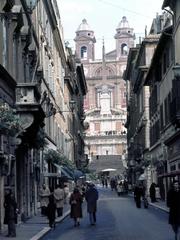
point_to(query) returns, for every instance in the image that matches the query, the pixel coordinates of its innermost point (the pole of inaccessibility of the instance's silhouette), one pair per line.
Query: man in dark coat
(10, 217)
(139, 193)
(152, 191)
(91, 197)
(173, 202)
(51, 211)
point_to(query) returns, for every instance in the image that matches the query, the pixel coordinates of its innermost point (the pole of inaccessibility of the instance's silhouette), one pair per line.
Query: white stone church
(105, 103)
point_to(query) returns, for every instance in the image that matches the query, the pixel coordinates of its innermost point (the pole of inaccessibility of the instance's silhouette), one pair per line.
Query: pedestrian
(83, 190)
(106, 182)
(152, 192)
(44, 198)
(51, 211)
(66, 193)
(59, 199)
(91, 197)
(10, 217)
(138, 194)
(113, 184)
(75, 201)
(103, 181)
(173, 202)
(120, 189)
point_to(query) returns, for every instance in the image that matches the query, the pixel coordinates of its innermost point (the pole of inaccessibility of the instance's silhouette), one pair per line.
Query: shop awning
(63, 171)
(78, 174)
(48, 174)
(170, 174)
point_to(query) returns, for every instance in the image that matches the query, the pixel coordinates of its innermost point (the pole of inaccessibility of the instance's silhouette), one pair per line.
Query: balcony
(28, 105)
(106, 133)
(27, 95)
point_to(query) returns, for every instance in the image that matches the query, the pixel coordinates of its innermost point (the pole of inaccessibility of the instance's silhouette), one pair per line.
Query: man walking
(10, 218)
(173, 202)
(91, 197)
(59, 199)
(44, 198)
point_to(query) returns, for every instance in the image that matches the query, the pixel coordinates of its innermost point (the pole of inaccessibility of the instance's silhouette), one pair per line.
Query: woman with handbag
(75, 201)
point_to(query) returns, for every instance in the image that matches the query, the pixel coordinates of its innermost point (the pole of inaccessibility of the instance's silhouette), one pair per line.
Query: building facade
(138, 123)
(39, 81)
(105, 103)
(159, 160)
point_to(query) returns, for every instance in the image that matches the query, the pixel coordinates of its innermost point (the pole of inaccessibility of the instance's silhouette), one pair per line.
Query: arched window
(84, 52)
(124, 49)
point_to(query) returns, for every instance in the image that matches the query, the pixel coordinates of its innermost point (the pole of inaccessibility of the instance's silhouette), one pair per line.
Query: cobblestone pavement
(117, 219)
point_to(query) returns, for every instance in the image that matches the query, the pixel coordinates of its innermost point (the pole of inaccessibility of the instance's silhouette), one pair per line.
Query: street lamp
(72, 104)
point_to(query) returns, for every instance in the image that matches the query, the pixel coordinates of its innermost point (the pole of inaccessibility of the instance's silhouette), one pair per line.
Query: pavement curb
(159, 207)
(45, 230)
(154, 205)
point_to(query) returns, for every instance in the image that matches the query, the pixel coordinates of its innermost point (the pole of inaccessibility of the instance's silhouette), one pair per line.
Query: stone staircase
(101, 162)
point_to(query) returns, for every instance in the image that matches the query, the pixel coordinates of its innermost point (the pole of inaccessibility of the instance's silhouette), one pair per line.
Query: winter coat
(152, 191)
(173, 202)
(51, 211)
(75, 201)
(44, 197)
(10, 206)
(91, 197)
(138, 192)
(59, 197)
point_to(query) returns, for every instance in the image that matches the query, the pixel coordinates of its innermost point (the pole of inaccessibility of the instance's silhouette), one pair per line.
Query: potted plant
(9, 121)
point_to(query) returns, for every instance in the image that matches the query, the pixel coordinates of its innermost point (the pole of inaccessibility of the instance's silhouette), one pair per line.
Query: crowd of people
(52, 203)
(116, 184)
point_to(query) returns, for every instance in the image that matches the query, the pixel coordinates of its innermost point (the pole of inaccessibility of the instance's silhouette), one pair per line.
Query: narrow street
(117, 219)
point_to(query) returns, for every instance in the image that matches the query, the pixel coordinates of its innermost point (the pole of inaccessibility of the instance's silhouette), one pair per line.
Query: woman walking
(75, 201)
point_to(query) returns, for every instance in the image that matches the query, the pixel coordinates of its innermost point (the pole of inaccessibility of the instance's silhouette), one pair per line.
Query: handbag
(73, 202)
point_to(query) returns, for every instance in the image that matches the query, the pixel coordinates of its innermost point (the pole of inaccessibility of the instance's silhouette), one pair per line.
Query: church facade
(105, 102)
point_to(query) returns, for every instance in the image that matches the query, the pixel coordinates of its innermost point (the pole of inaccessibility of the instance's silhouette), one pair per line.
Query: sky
(103, 16)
